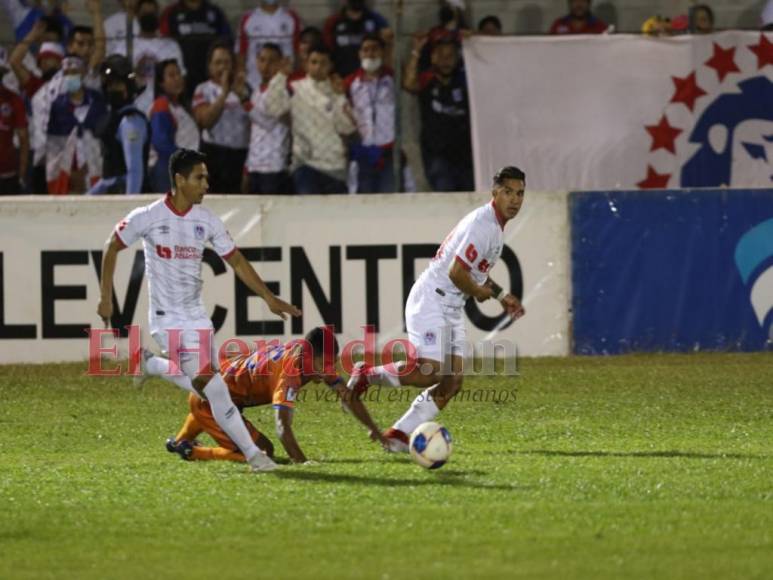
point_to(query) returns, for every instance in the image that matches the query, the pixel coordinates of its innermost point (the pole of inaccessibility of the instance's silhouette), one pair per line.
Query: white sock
(228, 417)
(386, 375)
(422, 409)
(163, 367)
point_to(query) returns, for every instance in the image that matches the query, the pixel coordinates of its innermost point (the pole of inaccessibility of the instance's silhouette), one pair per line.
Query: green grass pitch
(632, 467)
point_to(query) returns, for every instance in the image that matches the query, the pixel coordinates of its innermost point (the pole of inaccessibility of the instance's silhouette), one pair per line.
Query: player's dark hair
(217, 44)
(53, 26)
(183, 161)
(445, 41)
(311, 31)
(509, 172)
(160, 71)
(272, 46)
(373, 38)
(322, 342)
(79, 30)
(320, 48)
(706, 8)
(491, 19)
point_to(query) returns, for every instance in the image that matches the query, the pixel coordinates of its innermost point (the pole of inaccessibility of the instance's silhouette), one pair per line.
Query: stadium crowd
(276, 106)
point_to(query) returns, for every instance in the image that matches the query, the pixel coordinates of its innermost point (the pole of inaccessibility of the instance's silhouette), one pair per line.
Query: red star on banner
(654, 180)
(687, 91)
(723, 61)
(663, 135)
(764, 52)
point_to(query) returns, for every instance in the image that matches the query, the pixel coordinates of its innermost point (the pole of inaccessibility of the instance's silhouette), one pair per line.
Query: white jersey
(257, 27)
(232, 128)
(174, 246)
(115, 32)
(270, 132)
(476, 243)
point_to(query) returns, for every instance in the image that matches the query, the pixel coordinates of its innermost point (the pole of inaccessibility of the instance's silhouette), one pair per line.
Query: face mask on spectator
(72, 83)
(371, 65)
(148, 23)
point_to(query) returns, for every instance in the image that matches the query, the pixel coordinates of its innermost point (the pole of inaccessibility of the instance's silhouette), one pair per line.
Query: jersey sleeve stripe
(462, 263)
(230, 253)
(120, 240)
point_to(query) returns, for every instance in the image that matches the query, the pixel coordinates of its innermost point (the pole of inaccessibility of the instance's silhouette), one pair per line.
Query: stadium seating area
(262, 115)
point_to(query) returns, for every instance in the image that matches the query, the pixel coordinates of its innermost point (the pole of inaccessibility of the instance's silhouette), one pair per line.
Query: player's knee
(200, 382)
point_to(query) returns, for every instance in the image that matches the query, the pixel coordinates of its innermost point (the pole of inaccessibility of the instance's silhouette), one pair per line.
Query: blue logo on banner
(735, 134)
(754, 259)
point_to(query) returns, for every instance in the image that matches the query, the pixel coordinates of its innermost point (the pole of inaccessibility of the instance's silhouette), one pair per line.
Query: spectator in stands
(702, 19)
(767, 16)
(344, 31)
(49, 60)
(115, 28)
(268, 157)
(23, 15)
(580, 20)
(172, 126)
(195, 24)
(149, 48)
(490, 26)
(73, 156)
(445, 116)
(218, 107)
(13, 123)
(452, 26)
(371, 90)
(269, 22)
(310, 36)
(125, 135)
(321, 116)
(80, 43)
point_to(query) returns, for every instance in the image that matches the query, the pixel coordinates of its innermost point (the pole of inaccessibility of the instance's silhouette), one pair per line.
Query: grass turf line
(636, 467)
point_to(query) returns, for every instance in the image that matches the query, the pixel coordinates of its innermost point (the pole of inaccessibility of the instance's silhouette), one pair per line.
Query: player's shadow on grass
(647, 454)
(449, 478)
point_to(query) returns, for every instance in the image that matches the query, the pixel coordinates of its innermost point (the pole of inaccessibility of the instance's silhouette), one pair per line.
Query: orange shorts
(202, 412)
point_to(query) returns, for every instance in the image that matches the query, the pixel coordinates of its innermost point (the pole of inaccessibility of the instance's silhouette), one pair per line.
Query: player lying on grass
(434, 312)
(272, 375)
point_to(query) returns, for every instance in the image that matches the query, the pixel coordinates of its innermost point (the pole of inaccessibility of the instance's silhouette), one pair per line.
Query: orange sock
(216, 454)
(190, 429)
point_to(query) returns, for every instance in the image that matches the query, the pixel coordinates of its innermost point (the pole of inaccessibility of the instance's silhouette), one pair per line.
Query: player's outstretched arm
(109, 259)
(284, 430)
(254, 282)
(352, 402)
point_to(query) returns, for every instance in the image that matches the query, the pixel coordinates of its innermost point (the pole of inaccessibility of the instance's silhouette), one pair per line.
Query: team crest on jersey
(198, 231)
(5, 110)
(430, 338)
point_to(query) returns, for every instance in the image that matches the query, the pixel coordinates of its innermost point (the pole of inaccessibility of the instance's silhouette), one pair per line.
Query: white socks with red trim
(422, 409)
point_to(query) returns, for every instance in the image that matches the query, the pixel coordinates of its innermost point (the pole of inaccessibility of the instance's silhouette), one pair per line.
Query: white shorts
(435, 329)
(187, 353)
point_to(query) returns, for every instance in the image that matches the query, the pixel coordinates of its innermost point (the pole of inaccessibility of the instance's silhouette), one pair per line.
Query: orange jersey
(272, 375)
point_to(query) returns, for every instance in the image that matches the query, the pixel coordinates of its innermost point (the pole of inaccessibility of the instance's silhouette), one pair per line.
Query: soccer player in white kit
(174, 231)
(434, 313)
